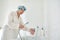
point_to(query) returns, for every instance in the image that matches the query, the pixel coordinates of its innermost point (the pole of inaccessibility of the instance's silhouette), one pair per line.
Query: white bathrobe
(10, 31)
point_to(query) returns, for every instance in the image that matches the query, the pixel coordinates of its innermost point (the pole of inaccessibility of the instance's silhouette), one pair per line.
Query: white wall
(53, 19)
(2, 11)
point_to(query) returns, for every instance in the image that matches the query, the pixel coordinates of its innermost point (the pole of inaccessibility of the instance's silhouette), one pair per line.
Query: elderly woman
(14, 24)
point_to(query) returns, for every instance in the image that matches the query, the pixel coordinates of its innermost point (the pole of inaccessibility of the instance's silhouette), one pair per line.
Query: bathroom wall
(53, 19)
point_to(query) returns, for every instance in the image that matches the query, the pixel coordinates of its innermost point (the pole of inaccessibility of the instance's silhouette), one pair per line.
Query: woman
(14, 24)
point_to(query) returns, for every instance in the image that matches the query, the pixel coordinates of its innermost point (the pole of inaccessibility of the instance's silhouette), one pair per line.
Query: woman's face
(21, 11)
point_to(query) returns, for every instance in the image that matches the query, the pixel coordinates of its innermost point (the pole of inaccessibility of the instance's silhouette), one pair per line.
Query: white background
(42, 13)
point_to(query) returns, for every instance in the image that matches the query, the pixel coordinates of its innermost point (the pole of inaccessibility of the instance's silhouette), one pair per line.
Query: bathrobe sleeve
(22, 23)
(11, 23)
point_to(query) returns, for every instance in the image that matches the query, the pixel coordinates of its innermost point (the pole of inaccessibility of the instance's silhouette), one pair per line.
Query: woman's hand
(32, 31)
(21, 26)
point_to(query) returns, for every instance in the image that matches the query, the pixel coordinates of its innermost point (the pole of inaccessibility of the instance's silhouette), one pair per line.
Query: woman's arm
(23, 26)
